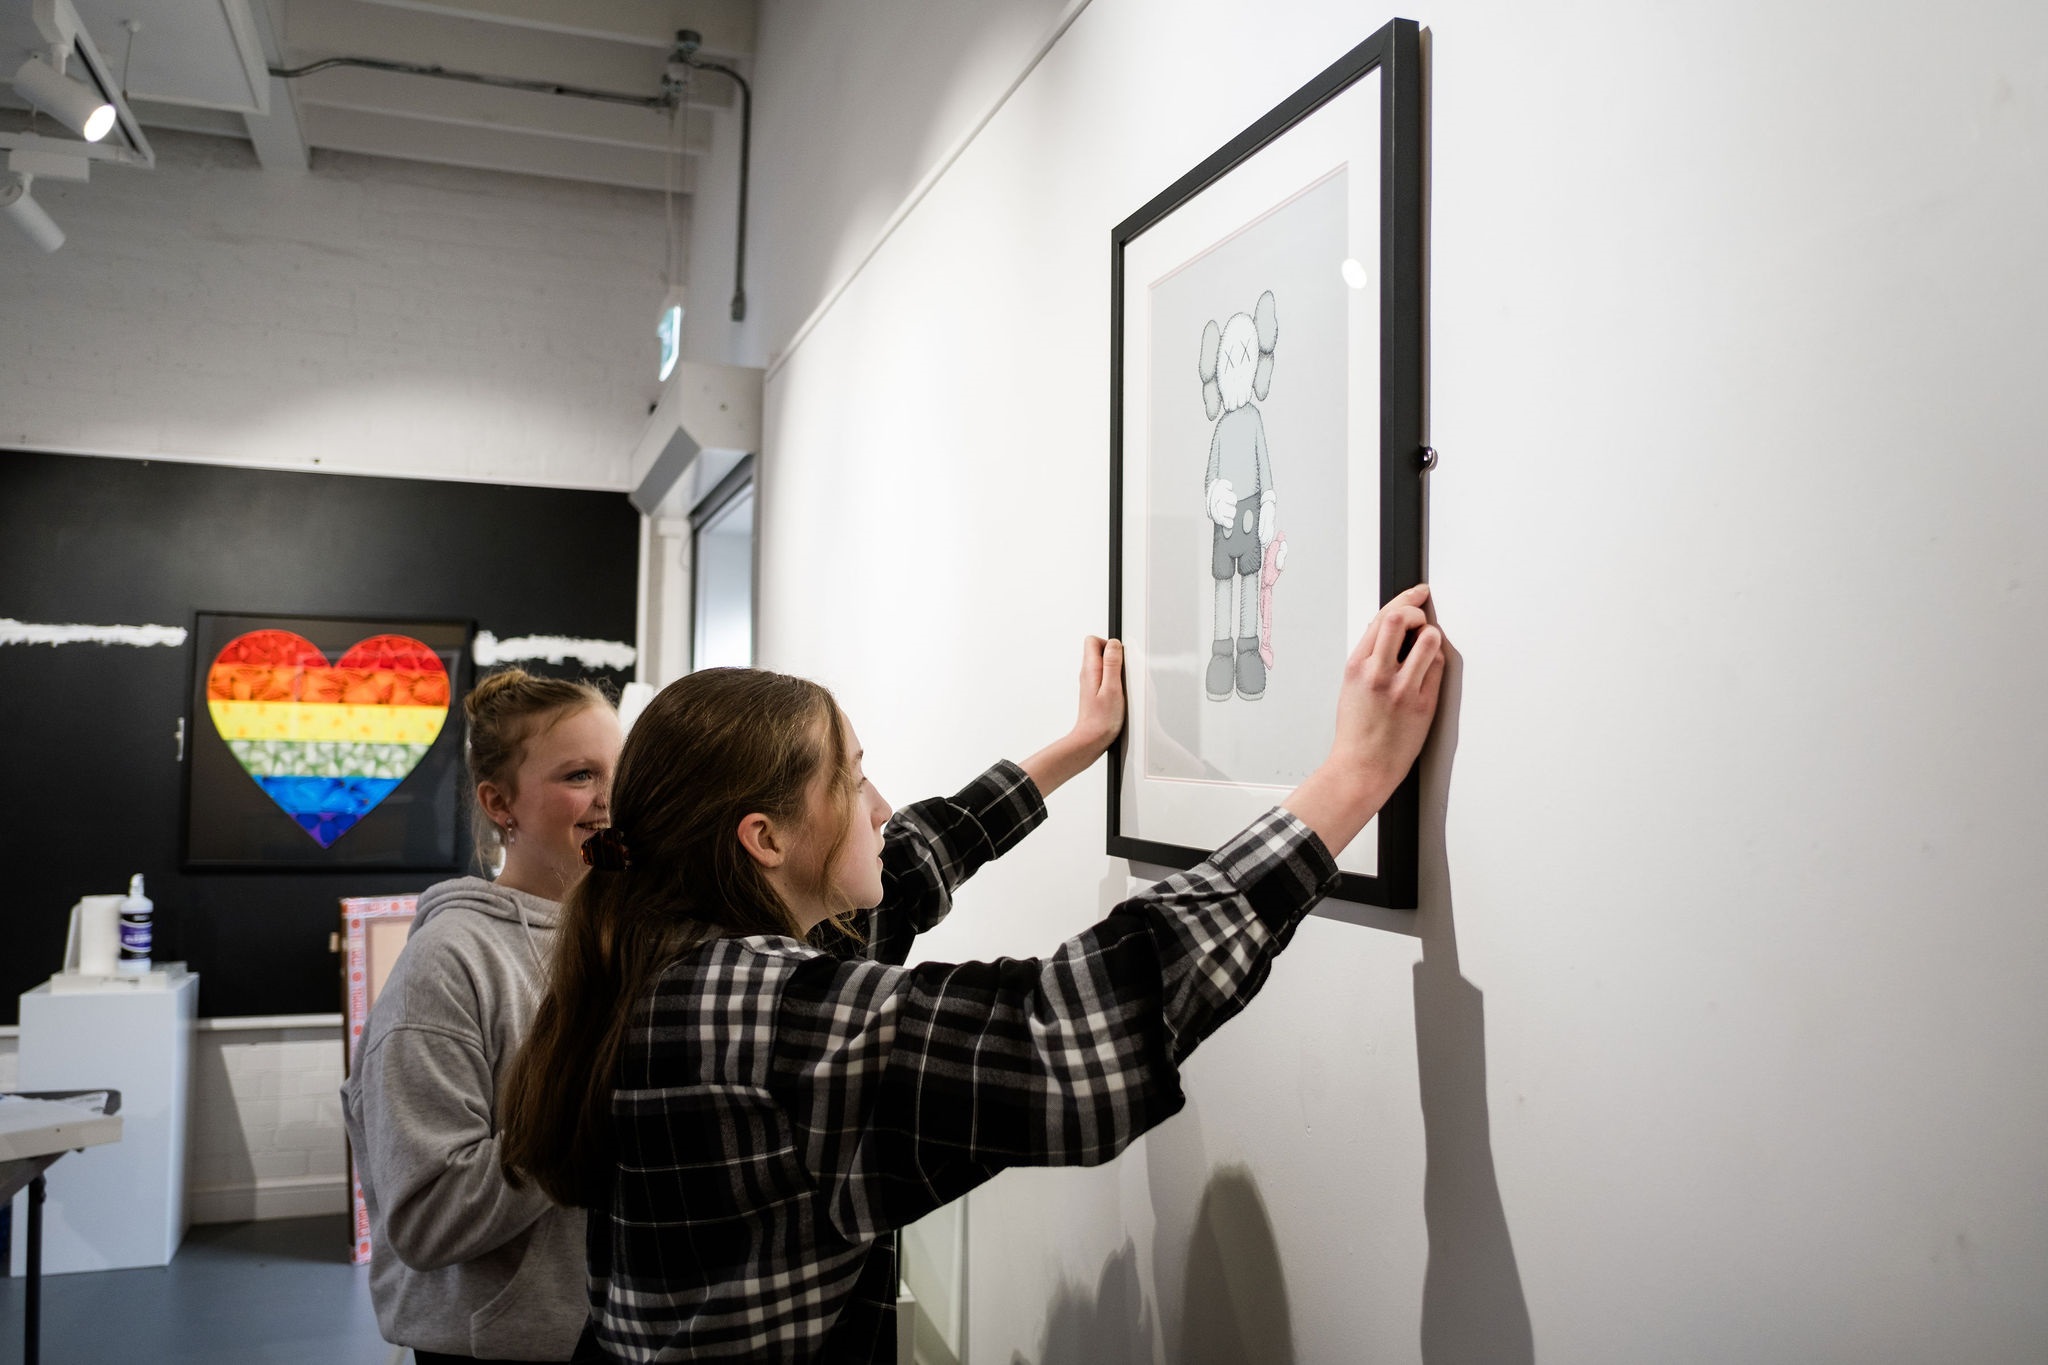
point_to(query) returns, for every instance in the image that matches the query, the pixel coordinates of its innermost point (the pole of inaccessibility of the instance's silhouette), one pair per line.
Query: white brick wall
(266, 1124)
(266, 1136)
(371, 316)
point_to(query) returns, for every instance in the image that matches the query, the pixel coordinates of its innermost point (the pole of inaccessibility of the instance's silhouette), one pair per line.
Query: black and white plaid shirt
(781, 1110)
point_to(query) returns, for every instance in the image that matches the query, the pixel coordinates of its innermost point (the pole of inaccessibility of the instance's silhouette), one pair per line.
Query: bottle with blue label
(136, 931)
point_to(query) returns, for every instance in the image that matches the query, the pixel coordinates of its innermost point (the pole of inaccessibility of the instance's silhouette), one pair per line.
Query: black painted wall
(91, 788)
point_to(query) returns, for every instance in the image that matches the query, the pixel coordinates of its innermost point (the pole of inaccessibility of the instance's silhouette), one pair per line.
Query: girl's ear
(763, 843)
(494, 802)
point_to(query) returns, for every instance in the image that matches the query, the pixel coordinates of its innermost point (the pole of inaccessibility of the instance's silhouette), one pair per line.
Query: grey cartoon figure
(1237, 366)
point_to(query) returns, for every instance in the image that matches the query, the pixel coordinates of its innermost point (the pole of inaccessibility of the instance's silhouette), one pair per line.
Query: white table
(34, 1131)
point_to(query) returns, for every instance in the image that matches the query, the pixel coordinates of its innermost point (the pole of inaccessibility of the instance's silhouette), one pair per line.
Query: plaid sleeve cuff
(1278, 864)
(932, 846)
(984, 819)
(1005, 803)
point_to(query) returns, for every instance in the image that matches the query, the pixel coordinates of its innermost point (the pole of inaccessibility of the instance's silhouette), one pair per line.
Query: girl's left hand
(1100, 721)
(1101, 716)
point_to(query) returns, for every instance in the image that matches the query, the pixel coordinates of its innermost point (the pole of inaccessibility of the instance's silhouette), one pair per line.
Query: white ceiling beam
(317, 29)
(727, 25)
(276, 134)
(279, 136)
(493, 149)
(482, 106)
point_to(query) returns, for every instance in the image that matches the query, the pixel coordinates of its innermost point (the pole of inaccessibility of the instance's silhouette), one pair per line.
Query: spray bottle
(136, 934)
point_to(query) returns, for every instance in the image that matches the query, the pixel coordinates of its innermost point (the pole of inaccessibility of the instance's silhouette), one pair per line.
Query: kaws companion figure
(1237, 366)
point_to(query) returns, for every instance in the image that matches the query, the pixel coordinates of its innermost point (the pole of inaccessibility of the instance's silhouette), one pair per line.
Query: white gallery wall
(371, 316)
(855, 104)
(1720, 1034)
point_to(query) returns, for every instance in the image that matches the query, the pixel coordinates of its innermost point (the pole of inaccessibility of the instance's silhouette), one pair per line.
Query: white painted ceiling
(200, 66)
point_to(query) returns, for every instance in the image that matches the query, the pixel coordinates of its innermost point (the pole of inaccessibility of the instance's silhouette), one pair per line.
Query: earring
(511, 836)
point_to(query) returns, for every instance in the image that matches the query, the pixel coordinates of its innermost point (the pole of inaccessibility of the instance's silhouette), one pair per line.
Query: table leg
(32, 1295)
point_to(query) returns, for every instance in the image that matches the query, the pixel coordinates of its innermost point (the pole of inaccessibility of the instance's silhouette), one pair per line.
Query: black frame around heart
(231, 822)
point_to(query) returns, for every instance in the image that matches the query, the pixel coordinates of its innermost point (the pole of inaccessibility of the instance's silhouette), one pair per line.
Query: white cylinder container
(99, 934)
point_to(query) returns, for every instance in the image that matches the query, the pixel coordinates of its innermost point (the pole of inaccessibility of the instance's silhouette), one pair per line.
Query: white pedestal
(114, 1207)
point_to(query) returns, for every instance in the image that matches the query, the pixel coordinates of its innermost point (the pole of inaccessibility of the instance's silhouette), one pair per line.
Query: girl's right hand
(1384, 709)
(1386, 703)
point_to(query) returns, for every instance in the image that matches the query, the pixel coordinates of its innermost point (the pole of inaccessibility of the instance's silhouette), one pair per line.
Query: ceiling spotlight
(72, 103)
(25, 213)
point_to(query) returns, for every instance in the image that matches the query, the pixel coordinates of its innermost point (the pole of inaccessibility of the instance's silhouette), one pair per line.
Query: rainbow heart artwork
(327, 741)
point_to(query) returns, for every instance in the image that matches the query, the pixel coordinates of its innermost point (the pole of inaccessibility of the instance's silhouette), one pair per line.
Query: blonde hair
(503, 712)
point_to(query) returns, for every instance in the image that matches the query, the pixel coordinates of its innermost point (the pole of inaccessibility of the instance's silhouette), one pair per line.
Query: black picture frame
(1395, 52)
(232, 821)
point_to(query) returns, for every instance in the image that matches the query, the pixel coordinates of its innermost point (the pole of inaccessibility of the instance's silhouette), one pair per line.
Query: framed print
(325, 743)
(1266, 458)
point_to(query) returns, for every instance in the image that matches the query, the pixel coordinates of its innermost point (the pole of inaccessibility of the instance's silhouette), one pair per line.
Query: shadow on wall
(1233, 1296)
(1230, 1305)
(1111, 1327)
(1472, 1304)
(1234, 1300)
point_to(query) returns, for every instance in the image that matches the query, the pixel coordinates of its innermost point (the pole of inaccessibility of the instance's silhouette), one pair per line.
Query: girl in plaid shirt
(733, 1074)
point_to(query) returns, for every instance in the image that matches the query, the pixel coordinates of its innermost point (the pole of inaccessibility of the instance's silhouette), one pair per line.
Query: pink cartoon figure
(1269, 574)
(1237, 367)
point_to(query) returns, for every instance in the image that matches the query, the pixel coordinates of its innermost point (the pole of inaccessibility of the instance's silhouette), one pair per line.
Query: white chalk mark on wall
(13, 632)
(489, 650)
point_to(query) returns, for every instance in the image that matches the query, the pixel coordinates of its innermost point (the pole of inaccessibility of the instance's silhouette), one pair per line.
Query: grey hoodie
(460, 1261)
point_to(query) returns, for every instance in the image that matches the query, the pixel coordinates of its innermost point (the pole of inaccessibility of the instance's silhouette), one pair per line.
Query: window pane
(725, 586)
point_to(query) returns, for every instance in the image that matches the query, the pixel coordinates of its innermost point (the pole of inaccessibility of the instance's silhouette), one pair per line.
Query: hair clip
(606, 851)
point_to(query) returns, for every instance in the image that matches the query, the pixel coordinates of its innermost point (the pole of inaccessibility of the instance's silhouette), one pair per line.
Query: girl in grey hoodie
(464, 1266)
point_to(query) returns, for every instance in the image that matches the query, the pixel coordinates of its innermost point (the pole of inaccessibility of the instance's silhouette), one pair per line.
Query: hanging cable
(671, 156)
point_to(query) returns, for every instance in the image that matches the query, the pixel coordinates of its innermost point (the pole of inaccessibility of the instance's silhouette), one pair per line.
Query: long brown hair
(712, 748)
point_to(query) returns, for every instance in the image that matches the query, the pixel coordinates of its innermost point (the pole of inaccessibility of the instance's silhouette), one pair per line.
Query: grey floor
(272, 1293)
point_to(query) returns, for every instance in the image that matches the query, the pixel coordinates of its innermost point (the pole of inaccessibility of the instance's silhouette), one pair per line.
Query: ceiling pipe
(662, 101)
(688, 40)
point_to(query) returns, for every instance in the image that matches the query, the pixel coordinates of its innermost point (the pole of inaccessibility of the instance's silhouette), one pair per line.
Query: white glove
(1267, 519)
(1222, 503)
